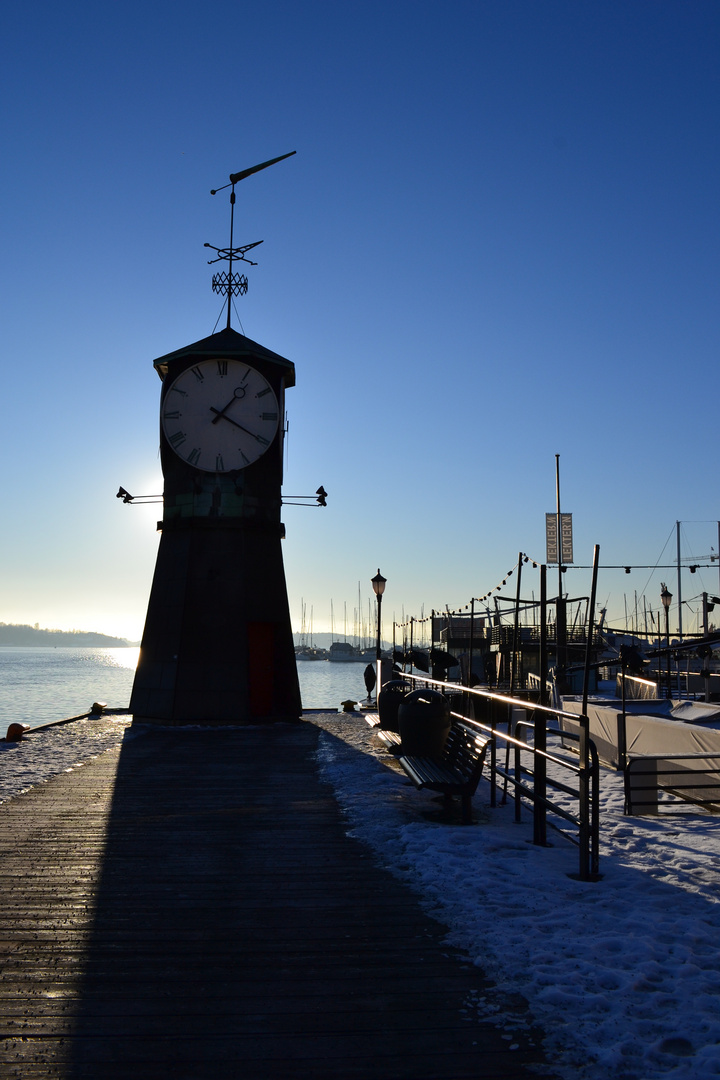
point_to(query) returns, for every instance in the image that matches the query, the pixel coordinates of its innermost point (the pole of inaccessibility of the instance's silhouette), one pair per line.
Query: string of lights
(691, 566)
(476, 599)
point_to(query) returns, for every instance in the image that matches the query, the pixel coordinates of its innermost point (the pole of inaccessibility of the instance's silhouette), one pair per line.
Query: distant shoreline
(21, 636)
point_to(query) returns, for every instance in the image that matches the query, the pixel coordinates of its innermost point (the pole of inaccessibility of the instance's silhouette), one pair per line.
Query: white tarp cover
(655, 736)
(696, 712)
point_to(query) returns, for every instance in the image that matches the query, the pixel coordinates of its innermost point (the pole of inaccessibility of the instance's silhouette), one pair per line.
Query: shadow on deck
(213, 919)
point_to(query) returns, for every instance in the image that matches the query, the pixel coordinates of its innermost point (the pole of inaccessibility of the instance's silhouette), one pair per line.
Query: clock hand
(239, 392)
(221, 413)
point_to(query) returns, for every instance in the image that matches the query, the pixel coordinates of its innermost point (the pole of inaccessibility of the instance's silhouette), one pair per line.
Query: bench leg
(466, 803)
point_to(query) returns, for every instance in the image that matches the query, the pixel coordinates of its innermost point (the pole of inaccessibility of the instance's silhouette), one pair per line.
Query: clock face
(220, 415)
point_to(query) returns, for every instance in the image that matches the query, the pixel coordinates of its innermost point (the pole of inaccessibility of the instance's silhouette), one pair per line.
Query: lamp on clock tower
(217, 647)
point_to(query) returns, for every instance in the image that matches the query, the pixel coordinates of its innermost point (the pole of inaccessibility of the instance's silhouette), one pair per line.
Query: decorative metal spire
(227, 283)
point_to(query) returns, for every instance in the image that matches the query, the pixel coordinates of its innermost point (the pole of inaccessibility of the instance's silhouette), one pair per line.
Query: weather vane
(227, 283)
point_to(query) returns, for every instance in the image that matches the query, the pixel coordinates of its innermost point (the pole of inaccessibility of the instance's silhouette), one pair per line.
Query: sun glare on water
(123, 658)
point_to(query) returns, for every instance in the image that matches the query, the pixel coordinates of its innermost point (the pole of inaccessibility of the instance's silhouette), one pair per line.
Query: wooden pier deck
(190, 906)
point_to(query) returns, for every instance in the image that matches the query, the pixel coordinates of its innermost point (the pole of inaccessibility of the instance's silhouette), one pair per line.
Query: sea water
(41, 685)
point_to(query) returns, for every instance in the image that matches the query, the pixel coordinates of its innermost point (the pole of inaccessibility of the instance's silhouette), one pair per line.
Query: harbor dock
(190, 906)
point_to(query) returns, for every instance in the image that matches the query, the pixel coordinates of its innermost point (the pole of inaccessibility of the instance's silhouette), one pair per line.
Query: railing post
(516, 683)
(622, 723)
(595, 819)
(588, 792)
(468, 697)
(507, 759)
(512, 730)
(584, 797)
(493, 754)
(540, 740)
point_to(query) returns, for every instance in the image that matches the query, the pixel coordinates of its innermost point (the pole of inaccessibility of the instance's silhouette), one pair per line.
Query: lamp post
(666, 598)
(378, 584)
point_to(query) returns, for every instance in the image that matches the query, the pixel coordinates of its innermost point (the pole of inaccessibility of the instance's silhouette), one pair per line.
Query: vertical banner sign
(566, 538)
(551, 538)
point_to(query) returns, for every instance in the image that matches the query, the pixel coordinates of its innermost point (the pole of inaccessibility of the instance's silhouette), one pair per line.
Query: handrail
(637, 678)
(683, 782)
(504, 698)
(669, 755)
(587, 794)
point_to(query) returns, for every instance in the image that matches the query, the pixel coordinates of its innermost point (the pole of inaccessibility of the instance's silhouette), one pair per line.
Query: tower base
(217, 646)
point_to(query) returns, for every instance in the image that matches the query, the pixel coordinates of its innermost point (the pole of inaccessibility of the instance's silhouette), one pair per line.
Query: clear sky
(497, 242)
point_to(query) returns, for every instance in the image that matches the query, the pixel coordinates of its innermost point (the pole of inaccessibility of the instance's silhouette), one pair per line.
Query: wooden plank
(191, 906)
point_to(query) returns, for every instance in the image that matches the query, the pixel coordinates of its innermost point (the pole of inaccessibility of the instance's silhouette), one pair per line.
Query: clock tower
(217, 647)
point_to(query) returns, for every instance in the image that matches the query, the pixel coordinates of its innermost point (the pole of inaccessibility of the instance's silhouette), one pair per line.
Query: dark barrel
(424, 718)
(390, 699)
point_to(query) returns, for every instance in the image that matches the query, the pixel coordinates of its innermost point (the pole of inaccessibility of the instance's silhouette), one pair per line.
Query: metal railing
(506, 635)
(529, 776)
(645, 776)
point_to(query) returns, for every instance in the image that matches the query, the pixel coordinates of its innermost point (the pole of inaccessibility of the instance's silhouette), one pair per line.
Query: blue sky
(497, 242)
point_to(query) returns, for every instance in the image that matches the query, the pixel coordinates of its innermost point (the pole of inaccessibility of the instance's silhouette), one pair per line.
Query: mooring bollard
(15, 732)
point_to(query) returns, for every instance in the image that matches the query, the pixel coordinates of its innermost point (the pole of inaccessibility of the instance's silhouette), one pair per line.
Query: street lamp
(378, 584)
(666, 598)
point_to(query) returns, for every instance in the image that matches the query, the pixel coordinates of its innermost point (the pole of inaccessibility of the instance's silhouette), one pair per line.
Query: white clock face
(220, 415)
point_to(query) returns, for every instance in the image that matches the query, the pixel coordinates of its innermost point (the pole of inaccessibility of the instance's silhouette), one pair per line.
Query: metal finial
(229, 284)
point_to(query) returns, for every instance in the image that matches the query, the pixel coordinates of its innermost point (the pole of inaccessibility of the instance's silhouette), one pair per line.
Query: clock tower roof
(230, 343)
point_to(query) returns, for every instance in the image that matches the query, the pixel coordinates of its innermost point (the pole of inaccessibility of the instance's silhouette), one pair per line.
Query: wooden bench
(457, 771)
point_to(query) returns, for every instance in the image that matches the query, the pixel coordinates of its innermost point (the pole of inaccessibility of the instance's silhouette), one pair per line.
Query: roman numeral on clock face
(177, 438)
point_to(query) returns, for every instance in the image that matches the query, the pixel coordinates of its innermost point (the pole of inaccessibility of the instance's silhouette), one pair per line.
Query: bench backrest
(465, 749)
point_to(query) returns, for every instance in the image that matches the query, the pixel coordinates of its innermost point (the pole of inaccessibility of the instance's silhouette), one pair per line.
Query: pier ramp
(190, 906)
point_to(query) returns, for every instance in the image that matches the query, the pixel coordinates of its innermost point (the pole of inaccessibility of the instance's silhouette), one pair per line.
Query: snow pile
(45, 752)
(622, 974)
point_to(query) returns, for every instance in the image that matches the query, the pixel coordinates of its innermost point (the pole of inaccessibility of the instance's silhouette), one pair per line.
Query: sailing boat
(342, 652)
(305, 651)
